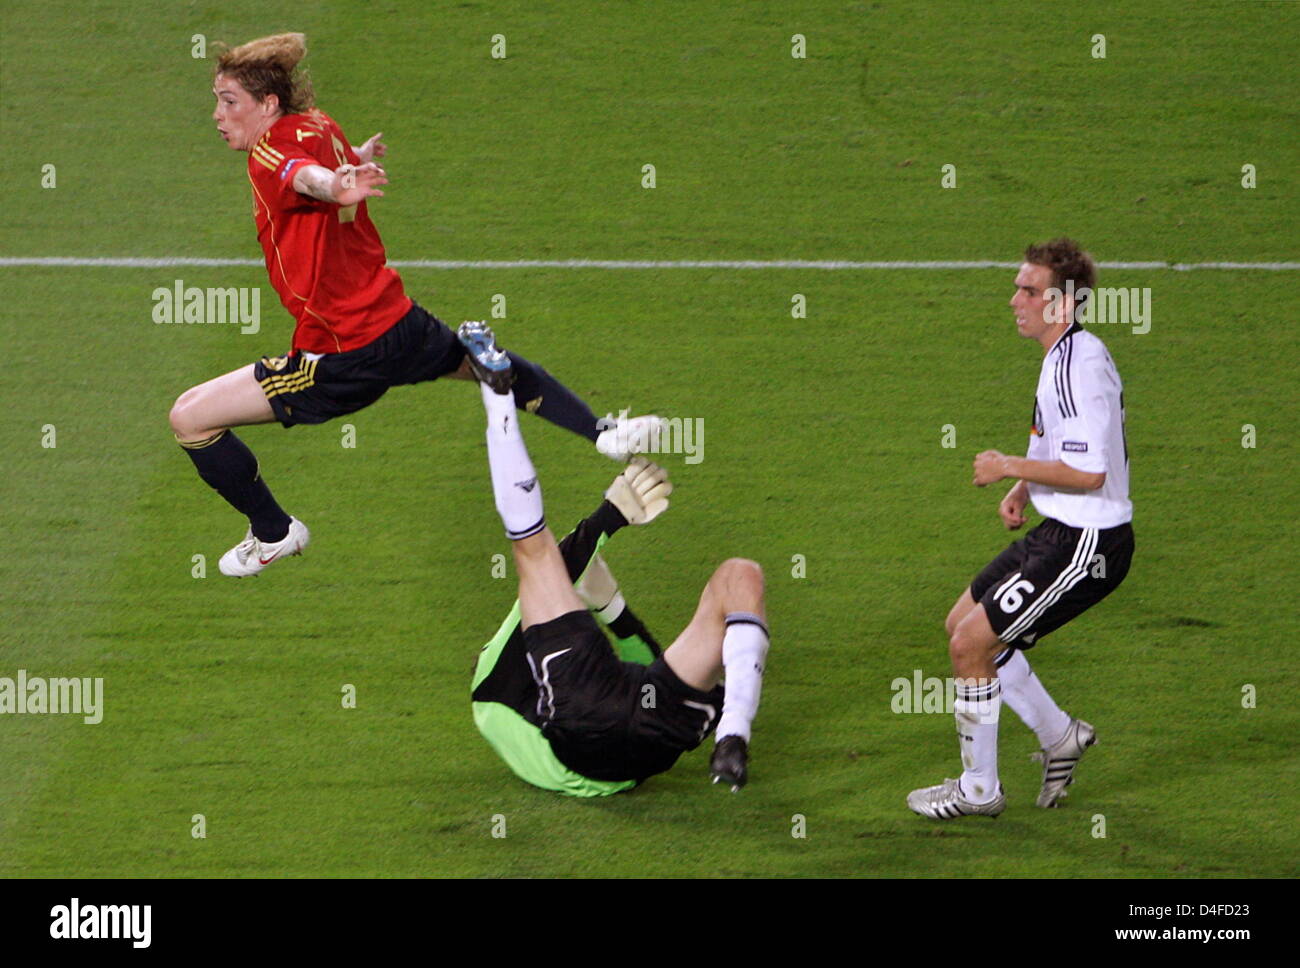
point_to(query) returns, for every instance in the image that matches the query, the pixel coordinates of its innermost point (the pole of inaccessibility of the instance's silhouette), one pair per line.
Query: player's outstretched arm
(345, 185)
(637, 496)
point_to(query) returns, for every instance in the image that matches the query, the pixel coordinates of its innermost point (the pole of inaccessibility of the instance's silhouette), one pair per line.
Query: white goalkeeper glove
(641, 492)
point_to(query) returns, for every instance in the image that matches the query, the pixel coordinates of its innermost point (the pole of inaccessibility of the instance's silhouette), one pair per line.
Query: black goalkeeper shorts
(612, 720)
(302, 390)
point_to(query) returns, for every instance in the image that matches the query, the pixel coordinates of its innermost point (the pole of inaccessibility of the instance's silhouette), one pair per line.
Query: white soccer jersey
(1079, 419)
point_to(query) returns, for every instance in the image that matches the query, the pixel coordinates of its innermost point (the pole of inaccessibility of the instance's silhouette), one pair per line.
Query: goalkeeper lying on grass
(553, 697)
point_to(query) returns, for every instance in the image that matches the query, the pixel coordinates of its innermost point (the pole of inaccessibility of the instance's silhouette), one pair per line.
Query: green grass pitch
(824, 435)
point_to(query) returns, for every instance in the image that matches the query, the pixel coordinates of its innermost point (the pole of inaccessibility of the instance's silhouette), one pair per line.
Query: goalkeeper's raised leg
(609, 722)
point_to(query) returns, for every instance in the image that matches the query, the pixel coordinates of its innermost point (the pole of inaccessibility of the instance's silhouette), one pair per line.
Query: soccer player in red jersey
(358, 333)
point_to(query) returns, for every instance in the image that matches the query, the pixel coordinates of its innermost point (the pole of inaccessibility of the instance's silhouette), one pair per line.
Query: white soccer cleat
(250, 556)
(945, 802)
(631, 436)
(1060, 760)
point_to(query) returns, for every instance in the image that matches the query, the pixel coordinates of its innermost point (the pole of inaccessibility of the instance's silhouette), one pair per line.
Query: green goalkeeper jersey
(521, 744)
(503, 723)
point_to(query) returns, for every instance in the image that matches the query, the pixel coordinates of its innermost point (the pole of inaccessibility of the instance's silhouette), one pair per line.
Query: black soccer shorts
(417, 348)
(1052, 574)
(612, 720)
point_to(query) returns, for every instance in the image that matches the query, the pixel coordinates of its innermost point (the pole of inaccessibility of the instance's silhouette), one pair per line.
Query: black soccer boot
(730, 762)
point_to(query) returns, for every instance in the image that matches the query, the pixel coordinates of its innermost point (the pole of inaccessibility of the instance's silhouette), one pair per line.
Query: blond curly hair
(269, 65)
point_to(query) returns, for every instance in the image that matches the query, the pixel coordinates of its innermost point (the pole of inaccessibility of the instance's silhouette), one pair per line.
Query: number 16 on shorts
(1011, 596)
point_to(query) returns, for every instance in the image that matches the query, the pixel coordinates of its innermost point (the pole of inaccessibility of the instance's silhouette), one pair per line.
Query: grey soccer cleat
(945, 802)
(1060, 760)
(730, 762)
(487, 361)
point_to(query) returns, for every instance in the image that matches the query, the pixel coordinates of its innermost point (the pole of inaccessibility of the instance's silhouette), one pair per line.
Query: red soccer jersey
(326, 262)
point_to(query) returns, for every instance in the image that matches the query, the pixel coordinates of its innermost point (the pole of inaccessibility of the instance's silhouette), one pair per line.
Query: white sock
(744, 650)
(976, 708)
(598, 588)
(514, 482)
(610, 613)
(1030, 701)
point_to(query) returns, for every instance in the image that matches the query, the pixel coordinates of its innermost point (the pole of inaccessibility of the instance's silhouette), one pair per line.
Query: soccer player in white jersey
(1076, 475)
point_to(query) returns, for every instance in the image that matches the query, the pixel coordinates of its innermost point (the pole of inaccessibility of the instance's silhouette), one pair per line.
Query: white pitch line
(1267, 266)
(164, 262)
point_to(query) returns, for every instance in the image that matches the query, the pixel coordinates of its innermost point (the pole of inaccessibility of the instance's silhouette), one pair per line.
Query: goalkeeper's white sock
(1025, 694)
(744, 651)
(514, 482)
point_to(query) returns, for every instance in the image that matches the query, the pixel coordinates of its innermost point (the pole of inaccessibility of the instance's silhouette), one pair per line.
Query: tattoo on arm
(316, 181)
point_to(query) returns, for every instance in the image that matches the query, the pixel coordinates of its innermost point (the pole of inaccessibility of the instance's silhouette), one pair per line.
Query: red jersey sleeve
(272, 165)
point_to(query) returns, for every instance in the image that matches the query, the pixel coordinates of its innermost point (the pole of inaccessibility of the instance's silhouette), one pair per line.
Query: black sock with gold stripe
(229, 467)
(538, 392)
